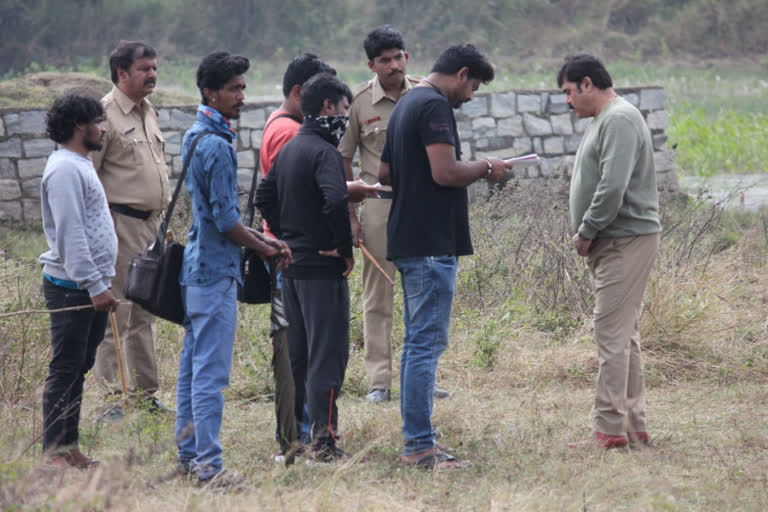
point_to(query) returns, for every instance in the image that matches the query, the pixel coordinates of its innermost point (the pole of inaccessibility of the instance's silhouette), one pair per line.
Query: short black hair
(70, 110)
(126, 54)
(302, 68)
(319, 88)
(385, 37)
(218, 68)
(577, 67)
(464, 55)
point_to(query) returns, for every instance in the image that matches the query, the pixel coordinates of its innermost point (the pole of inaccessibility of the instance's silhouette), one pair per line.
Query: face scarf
(334, 126)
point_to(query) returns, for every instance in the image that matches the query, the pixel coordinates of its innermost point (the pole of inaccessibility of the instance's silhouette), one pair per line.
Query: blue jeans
(428, 286)
(206, 361)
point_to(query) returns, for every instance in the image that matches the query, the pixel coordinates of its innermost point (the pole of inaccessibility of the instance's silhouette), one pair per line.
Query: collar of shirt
(378, 93)
(125, 103)
(216, 119)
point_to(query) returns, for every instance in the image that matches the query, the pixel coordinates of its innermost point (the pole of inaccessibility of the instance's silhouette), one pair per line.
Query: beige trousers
(620, 269)
(378, 295)
(135, 326)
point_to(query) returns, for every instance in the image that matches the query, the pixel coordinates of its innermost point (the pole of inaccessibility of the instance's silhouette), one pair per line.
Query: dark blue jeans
(428, 286)
(75, 336)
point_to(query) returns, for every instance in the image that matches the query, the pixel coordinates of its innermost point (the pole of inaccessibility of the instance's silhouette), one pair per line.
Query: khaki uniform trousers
(378, 295)
(620, 269)
(135, 326)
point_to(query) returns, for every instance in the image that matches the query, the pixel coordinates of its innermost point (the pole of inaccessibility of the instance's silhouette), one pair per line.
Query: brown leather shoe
(78, 459)
(608, 441)
(639, 438)
(59, 461)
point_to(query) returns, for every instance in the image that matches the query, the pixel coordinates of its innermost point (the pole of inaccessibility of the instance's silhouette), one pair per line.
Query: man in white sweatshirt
(77, 269)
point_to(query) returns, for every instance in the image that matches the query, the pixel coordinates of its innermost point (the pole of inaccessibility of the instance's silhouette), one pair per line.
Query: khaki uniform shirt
(131, 164)
(368, 118)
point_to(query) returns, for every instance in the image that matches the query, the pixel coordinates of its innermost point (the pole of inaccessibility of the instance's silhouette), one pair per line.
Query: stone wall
(502, 124)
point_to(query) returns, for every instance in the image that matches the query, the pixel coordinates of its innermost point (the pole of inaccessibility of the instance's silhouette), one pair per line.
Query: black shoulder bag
(153, 276)
(256, 287)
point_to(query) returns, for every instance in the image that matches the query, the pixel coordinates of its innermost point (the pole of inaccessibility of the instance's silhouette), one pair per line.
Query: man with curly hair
(77, 269)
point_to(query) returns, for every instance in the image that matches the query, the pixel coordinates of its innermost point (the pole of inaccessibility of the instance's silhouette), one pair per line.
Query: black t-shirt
(426, 219)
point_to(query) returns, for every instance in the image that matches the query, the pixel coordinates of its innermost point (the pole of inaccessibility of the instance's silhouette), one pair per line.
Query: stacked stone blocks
(503, 124)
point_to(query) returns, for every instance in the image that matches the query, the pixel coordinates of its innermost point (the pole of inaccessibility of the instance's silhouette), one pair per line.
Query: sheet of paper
(524, 161)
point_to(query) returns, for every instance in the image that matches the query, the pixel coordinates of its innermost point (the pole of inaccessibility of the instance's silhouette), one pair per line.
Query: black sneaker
(328, 454)
(223, 480)
(156, 406)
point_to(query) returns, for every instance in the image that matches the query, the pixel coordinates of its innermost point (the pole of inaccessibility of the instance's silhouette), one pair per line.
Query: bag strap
(159, 242)
(280, 116)
(250, 209)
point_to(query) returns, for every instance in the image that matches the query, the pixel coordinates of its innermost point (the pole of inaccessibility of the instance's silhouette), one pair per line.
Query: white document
(524, 161)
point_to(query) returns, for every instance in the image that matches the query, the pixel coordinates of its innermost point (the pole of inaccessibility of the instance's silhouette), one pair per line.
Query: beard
(93, 140)
(93, 146)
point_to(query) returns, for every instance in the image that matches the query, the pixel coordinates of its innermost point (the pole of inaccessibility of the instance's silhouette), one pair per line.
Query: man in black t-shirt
(428, 229)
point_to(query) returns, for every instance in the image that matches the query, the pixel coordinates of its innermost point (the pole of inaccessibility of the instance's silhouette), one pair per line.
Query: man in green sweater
(615, 217)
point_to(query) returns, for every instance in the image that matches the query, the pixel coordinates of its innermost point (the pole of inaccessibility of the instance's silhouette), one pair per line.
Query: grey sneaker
(441, 393)
(376, 396)
(113, 415)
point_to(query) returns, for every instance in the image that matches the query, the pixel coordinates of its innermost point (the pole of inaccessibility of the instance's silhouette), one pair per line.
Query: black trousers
(75, 335)
(318, 343)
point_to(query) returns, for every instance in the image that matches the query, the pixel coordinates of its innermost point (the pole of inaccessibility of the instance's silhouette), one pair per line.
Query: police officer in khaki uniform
(133, 171)
(372, 105)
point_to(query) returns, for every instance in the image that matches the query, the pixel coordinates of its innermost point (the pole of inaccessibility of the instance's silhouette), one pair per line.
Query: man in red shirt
(285, 122)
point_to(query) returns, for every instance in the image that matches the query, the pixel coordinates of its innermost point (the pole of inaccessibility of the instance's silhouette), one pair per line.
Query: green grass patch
(727, 142)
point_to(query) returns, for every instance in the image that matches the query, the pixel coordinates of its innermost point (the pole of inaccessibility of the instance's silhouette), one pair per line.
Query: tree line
(60, 32)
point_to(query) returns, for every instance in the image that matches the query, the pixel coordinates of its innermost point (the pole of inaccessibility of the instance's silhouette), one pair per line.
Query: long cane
(368, 255)
(116, 336)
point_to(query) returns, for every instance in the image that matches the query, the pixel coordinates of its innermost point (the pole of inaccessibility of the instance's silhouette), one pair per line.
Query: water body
(744, 191)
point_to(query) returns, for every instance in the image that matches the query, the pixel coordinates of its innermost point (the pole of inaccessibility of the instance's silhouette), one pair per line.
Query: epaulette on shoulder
(360, 89)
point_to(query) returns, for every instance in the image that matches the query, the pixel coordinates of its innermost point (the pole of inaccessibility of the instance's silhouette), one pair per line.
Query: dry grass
(38, 90)
(521, 367)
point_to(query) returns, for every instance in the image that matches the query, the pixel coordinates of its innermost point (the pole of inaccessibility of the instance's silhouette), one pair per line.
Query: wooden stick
(116, 336)
(370, 257)
(46, 311)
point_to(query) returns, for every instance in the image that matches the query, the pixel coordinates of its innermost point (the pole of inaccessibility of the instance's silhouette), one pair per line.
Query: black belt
(131, 212)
